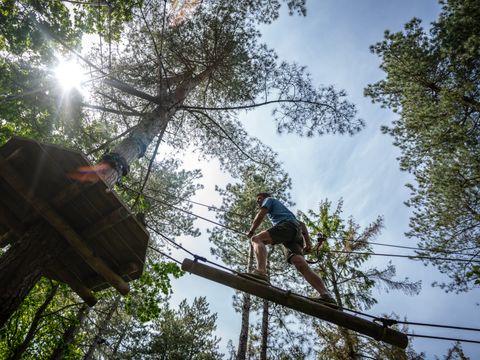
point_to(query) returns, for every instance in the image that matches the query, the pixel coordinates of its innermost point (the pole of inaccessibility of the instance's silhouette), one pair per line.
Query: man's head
(262, 196)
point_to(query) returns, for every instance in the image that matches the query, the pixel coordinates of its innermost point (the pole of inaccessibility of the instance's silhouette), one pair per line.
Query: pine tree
(186, 333)
(234, 249)
(342, 263)
(177, 76)
(183, 74)
(432, 83)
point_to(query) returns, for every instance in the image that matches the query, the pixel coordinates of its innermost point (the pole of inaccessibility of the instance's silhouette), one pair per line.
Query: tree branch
(244, 107)
(160, 136)
(193, 112)
(131, 90)
(155, 47)
(61, 309)
(109, 110)
(93, 4)
(108, 142)
(118, 102)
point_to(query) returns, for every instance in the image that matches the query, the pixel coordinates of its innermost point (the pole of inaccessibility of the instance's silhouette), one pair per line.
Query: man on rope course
(293, 235)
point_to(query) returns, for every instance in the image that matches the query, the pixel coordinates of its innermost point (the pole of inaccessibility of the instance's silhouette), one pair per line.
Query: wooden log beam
(65, 276)
(298, 303)
(72, 237)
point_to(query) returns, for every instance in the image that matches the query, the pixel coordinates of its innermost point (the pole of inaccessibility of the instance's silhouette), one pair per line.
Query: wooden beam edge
(81, 290)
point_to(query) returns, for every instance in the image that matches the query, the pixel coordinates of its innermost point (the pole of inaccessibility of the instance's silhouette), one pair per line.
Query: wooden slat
(107, 222)
(74, 239)
(69, 193)
(298, 303)
(64, 196)
(126, 271)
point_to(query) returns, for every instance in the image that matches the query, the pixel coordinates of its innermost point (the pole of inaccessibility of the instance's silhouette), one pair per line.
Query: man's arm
(257, 221)
(306, 237)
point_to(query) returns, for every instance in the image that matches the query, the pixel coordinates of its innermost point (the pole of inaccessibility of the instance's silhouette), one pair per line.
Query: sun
(69, 74)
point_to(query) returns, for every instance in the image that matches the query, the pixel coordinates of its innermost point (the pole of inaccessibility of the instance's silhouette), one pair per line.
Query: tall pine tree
(432, 84)
(343, 264)
(234, 249)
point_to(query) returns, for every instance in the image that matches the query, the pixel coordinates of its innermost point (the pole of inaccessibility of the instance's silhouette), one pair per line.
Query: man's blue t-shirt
(277, 212)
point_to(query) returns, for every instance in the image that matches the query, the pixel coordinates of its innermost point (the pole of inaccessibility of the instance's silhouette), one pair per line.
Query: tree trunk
(70, 333)
(135, 145)
(243, 338)
(265, 318)
(120, 340)
(23, 264)
(246, 304)
(348, 337)
(101, 330)
(151, 125)
(20, 349)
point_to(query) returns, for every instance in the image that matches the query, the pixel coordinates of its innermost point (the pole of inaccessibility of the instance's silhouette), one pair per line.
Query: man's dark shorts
(289, 235)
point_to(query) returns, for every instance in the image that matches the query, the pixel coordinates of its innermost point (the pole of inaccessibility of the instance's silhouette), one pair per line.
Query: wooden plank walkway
(299, 303)
(107, 245)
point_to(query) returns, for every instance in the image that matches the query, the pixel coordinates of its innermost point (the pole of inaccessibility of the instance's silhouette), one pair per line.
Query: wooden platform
(107, 245)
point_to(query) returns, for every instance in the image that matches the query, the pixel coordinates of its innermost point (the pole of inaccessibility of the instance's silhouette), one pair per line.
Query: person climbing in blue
(289, 232)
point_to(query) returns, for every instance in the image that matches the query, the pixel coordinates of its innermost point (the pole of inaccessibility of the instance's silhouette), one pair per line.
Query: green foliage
(349, 279)
(432, 83)
(31, 102)
(29, 25)
(14, 331)
(186, 333)
(19, 30)
(352, 283)
(475, 274)
(165, 199)
(455, 353)
(145, 299)
(53, 321)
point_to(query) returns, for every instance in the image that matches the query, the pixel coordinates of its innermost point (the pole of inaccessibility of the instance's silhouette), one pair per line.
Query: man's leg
(312, 278)
(260, 250)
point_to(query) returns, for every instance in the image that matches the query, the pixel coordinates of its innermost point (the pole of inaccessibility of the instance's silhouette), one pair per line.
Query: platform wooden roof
(34, 184)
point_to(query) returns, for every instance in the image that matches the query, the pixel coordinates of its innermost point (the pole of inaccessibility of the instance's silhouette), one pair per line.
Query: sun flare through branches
(69, 74)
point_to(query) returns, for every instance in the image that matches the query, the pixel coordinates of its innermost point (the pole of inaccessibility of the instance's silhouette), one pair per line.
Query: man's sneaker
(326, 299)
(256, 275)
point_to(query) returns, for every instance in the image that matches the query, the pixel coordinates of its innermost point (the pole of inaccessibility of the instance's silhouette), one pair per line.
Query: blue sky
(333, 42)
